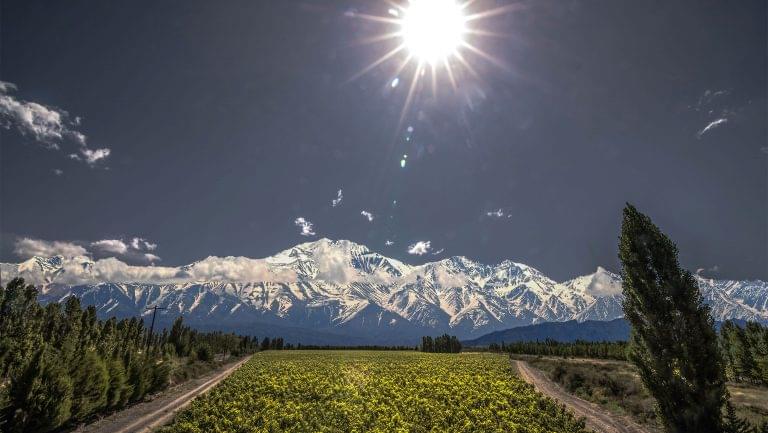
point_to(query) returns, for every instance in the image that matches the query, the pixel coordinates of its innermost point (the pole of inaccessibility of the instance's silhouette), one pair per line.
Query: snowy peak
(334, 261)
(599, 284)
(340, 286)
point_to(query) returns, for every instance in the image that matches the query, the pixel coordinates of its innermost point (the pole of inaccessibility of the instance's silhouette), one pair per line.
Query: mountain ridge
(345, 289)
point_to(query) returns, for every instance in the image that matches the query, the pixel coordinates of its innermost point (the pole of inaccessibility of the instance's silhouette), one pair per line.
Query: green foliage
(745, 351)
(118, 390)
(673, 341)
(579, 349)
(442, 344)
(90, 378)
(374, 391)
(64, 365)
(41, 396)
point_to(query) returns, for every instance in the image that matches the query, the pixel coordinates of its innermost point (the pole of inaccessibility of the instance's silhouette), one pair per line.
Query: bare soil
(597, 419)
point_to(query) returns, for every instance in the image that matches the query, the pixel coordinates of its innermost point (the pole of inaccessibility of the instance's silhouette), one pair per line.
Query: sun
(433, 30)
(431, 35)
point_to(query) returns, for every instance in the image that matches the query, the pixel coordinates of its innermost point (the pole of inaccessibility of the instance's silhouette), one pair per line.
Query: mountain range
(340, 292)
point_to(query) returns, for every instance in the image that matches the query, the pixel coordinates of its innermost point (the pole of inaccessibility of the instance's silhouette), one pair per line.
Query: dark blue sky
(227, 120)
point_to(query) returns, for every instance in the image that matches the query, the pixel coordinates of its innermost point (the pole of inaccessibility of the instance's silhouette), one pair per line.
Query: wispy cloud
(709, 99)
(712, 269)
(151, 258)
(367, 215)
(58, 171)
(339, 197)
(495, 213)
(307, 228)
(142, 244)
(49, 126)
(28, 247)
(420, 248)
(712, 125)
(388, 243)
(438, 252)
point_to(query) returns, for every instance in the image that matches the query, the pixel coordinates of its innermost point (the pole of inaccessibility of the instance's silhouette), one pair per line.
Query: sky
(166, 132)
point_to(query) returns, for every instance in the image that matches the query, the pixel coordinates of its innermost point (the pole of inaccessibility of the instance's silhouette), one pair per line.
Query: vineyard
(367, 391)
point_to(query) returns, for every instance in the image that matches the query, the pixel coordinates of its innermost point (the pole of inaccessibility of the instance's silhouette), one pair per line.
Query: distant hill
(590, 330)
(572, 330)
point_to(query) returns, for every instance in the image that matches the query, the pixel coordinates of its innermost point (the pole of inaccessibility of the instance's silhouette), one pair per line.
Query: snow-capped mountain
(350, 293)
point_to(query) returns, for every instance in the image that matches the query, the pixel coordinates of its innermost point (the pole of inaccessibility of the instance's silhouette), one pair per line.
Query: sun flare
(433, 30)
(431, 36)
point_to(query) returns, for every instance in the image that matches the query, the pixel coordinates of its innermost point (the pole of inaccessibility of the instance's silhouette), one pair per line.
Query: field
(616, 386)
(374, 391)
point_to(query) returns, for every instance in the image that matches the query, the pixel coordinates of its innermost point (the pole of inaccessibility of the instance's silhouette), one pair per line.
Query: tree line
(361, 347)
(578, 349)
(60, 365)
(442, 344)
(744, 350)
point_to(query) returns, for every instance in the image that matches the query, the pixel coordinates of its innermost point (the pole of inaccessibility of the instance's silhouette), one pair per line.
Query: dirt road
(145, 417)
(597, 418)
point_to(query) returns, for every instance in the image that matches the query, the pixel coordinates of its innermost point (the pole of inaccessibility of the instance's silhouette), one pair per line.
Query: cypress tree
(673, 341)
(42, 395)
(90, 378)
(118, 390)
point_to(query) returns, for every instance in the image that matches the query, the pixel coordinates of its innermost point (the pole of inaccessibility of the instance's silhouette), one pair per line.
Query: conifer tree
(734, 424)
(90, 378)
(673, 341)
(41, 395)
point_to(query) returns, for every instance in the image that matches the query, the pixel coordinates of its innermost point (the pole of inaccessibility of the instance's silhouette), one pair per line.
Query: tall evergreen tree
(673, 342)
(41, 396)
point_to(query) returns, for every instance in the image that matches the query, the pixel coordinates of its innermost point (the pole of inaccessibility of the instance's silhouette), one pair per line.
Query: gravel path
(597, 418)
(144, 417)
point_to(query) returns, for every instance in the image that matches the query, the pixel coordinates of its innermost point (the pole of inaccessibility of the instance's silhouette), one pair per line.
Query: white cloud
(236, 269)
(712, 125)
(151, 257)
(420, 248)
(92, 156)
(136, 243)
(58, 171)
(47, 125)
(339, 197)
(440, 251)
(115, 246)
(388, 243)
(495, 214)
(307, 228)
(367, 215)
(27, 247)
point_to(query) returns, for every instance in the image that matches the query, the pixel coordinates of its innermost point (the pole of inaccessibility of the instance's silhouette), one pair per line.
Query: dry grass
(616, 386)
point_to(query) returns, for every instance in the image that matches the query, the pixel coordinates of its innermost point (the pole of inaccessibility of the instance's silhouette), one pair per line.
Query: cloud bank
(27, 247)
